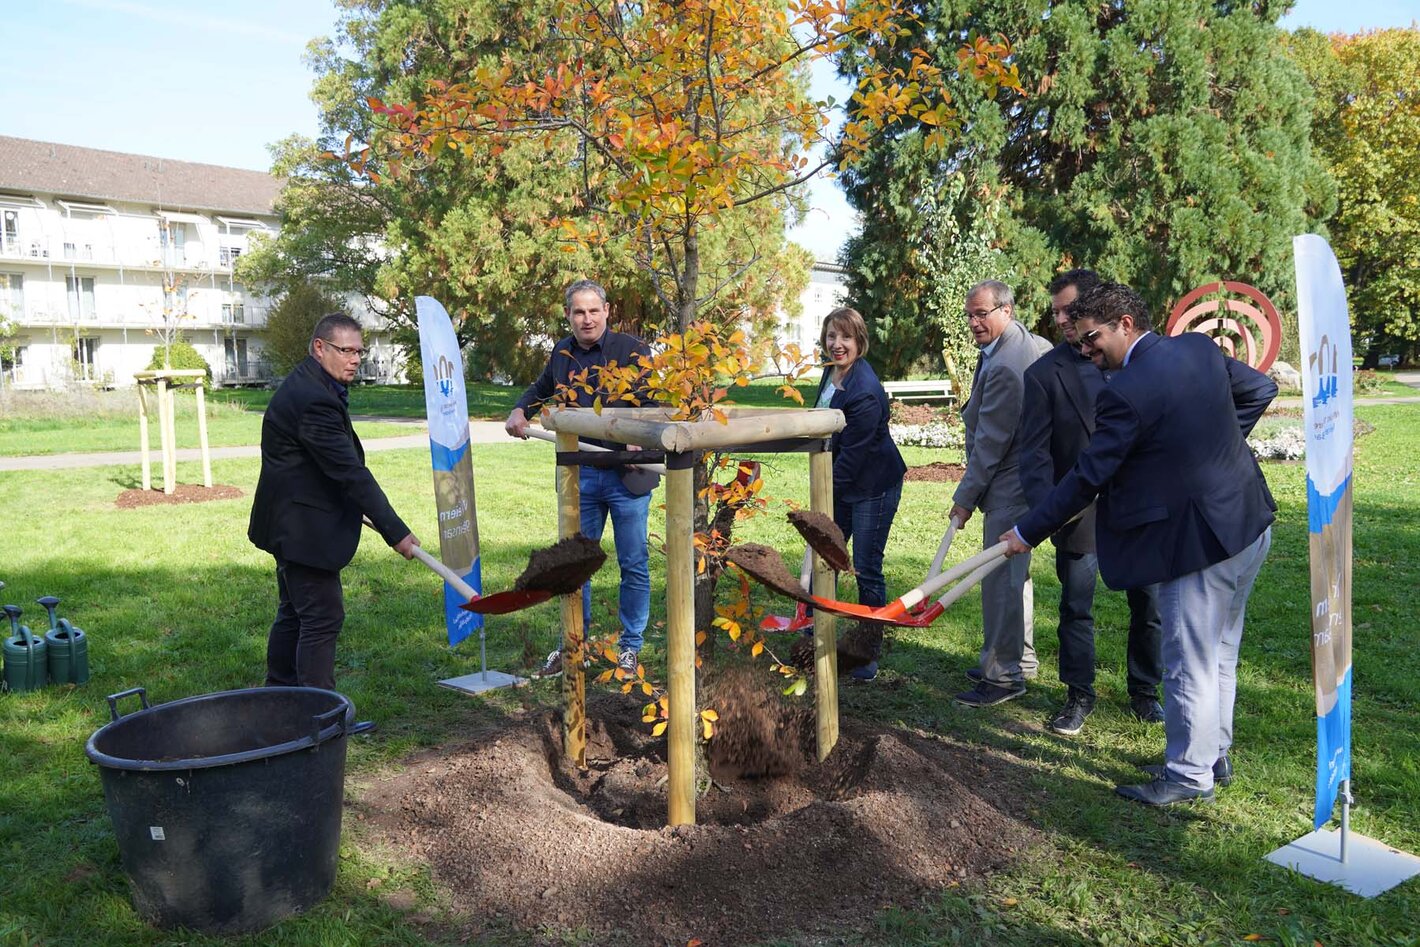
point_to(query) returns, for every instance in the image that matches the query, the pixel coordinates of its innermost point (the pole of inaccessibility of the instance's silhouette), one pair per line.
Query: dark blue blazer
(866, 463)
(1178, 488)
(314, 485)
(1057, 419)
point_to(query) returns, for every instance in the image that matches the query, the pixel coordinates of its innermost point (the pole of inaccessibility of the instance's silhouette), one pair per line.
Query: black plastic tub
(227, 806)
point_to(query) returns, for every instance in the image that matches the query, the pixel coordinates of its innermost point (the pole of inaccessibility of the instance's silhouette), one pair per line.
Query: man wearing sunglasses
(1060, 394)
(313, 490)
(1182, 503)
(992, 484)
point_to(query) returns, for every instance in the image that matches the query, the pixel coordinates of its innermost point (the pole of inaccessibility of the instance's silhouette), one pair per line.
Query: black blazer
(866, 463)
(1178, 488)
(1057, 419)
(314, 485)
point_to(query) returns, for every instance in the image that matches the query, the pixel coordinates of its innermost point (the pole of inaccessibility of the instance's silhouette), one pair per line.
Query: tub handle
(113, 699)
(319, 732)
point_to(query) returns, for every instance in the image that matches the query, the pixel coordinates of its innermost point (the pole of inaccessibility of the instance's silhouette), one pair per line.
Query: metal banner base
(1370, 867)
(480, 681)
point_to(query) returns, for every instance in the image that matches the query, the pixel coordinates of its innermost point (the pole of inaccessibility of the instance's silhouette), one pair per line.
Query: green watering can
(26, 668)
(67, 647)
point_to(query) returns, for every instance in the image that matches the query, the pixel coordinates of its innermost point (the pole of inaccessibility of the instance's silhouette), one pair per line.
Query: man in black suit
(1057, 420)
(313, 490)
(1182, 502)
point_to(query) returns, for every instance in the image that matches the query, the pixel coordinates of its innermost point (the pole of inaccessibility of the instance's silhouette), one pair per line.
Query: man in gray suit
(992, 484)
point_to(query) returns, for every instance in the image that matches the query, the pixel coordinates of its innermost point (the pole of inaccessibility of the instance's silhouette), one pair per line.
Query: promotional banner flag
(446, 402)
(1327, 417)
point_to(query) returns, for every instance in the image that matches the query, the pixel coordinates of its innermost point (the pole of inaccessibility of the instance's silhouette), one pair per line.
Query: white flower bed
(935, 434)
(1285, 443)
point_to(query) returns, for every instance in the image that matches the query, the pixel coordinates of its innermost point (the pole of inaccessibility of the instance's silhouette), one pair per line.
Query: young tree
(681, 117)
(1367, 128)
(1164, 143)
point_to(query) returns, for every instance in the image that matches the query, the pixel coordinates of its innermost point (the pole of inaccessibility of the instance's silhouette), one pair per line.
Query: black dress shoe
(363, 726)
(988, 695)
(1071, 718)
(1146, 709)
(1222, 771)
(1161, 792)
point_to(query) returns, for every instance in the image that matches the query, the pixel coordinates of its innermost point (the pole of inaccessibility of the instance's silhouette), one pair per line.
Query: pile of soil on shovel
(513, 834)
(562, 567)
(766, 566)
(824, 537)
(184, 493)
(858, 646)
(936, 472)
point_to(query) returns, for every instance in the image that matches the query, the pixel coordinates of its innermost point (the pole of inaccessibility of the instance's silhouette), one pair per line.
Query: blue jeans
(867, 523)
(603, 493)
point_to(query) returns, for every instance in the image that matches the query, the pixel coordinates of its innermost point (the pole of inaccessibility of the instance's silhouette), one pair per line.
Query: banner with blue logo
(1327, 416)
(446, 403)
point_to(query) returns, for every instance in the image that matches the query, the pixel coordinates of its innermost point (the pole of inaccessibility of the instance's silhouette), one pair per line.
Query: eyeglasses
(1088, 338)
(980, 314)
(354, 351)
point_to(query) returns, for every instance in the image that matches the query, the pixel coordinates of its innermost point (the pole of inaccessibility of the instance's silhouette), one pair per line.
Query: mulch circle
(514, 834)
(824, 537)
(185, 493)
(563, 567)
(937, 472)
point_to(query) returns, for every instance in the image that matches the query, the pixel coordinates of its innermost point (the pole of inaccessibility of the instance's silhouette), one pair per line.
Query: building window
(86, 358)
(227, 256)
(12, 296)
(80, 290)
(10, 232)
(12, 360)
(234, 313)
(236, 351)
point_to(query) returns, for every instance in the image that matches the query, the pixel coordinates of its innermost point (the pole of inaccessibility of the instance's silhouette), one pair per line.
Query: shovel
(802, 619)
(499, 603)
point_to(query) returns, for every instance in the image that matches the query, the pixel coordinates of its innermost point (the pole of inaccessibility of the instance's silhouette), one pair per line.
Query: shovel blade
(501, 603)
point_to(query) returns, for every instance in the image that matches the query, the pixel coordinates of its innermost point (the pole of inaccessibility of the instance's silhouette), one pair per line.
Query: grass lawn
(83, 422)
(177, 601)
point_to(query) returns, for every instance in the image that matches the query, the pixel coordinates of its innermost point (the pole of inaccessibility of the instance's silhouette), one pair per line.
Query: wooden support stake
(165, 436)
(680, 643)
(574, 681)
(825, 632)
(202, 437)
(143, 439)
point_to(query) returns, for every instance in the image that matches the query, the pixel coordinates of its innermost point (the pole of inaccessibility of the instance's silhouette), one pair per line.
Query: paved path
(480, 432)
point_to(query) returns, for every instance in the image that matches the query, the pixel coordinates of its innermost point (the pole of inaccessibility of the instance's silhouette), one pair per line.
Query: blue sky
(169, 78)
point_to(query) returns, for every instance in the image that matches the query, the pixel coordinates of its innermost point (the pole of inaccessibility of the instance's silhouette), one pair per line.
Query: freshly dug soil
(184, 493)
(857, 647)
(758, 734)
(936, 472)
(514, 834)
(766, 566)
(562, 567)
(824, 537)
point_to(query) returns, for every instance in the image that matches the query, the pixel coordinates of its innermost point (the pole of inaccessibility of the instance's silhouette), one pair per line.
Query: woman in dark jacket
(867, 468)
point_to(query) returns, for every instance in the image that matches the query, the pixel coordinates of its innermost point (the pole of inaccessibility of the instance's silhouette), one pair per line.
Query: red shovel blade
(501, 603)
(799, 622)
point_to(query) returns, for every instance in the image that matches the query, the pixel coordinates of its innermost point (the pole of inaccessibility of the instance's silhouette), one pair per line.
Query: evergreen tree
(1164, 143)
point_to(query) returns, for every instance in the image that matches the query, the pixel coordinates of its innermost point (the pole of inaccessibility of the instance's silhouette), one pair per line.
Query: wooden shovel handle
(443, 571)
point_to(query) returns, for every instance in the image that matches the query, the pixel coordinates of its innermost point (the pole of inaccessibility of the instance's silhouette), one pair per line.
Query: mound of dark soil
(858, 646)
(563, 567)
(515, 834)
(824, 537)
(937, 472)
(183, 493)
(766, 566)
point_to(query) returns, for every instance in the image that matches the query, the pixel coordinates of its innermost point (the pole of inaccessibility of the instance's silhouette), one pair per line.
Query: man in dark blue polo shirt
(590, 347)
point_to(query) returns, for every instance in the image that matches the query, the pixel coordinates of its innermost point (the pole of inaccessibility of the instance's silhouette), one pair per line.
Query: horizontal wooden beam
(651, 427)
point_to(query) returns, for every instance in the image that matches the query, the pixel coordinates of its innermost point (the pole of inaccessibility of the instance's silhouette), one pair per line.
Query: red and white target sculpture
(1239, 317)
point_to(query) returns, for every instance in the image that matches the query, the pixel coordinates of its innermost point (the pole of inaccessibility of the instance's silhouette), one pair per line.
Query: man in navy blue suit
(1057, 419)
(1182, 503)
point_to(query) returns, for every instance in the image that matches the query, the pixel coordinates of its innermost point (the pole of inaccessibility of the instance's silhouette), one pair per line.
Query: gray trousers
(1203, 615)
(1007, 629)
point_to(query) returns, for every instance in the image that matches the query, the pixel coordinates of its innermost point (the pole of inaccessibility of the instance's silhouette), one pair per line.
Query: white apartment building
(103, 253)
(824, 293)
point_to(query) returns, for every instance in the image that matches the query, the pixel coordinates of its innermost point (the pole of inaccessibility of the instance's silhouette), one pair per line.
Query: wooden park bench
(931, 390)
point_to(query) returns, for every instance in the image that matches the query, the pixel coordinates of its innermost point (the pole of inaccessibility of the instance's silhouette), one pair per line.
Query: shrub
(290, 324)
(180, 355)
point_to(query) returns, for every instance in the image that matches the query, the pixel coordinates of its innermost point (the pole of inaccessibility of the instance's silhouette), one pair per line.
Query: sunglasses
(1088, 338)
